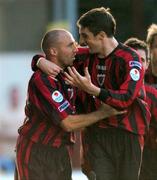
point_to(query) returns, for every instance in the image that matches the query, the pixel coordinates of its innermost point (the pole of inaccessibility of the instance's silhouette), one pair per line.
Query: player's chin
(71, 63)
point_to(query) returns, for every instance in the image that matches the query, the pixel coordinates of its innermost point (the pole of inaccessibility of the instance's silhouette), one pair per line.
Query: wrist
(94, 90)
(39, 61)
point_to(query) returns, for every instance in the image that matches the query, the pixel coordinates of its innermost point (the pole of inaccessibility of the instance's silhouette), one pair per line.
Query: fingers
(87, 72)
(74, 78)
(71, 72)
(75, 75)
(120, 112)
(112, 111)
(49, 68)
(53, 72)
(87, 75)
(69, 79)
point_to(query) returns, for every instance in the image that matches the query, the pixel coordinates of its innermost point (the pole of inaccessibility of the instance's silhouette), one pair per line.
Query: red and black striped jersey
(49, 102)
(151, 135)
(120, 77)
(151, 98)
(150, 78)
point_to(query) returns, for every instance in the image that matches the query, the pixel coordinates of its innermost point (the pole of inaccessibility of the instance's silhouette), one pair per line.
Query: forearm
(74, 122)
(93, 90)
(35, 61)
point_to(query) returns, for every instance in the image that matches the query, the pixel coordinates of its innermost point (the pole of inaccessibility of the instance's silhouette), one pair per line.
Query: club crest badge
(100, 79)
(135, 74)
(57, 96)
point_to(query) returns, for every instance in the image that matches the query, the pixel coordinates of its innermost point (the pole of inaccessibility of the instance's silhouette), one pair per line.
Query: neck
(55, 61)
(109, 44)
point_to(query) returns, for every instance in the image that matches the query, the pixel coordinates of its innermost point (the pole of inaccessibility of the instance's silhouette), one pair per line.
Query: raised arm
(123, 97)
(40, 62)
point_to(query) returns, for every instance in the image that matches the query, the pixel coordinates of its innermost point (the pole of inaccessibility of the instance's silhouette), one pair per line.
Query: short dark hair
(136, 44)
(97, 20)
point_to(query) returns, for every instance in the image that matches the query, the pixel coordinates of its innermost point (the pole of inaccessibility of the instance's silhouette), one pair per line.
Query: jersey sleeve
(44, 96)
(131, 88)
(35, 60)
(151, 94)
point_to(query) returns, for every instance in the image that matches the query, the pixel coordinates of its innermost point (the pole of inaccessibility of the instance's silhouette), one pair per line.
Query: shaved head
(52, 39)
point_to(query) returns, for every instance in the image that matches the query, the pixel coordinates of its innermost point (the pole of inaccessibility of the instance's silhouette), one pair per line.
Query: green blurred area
(23, 22)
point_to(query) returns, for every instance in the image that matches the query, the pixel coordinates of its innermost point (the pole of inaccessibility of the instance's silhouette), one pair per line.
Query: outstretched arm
(74, 122)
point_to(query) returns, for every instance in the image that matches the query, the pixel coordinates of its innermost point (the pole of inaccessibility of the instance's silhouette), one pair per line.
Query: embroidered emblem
(57, 96)
(135, 74)
(100, 79)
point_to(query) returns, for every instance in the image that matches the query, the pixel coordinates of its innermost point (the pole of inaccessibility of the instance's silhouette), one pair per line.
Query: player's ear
(102, 34)
(53, 51)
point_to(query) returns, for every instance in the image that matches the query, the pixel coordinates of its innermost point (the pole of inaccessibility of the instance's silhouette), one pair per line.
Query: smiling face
(88, 38)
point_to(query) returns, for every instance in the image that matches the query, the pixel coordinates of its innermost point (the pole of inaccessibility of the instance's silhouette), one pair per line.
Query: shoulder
(127, 53)
(82, 54)
(150, 89)
(40, 77)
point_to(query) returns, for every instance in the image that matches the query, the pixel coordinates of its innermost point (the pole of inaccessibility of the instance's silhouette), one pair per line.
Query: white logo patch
(57, 96)
(63, 106)
(135, 74)
(135, 64)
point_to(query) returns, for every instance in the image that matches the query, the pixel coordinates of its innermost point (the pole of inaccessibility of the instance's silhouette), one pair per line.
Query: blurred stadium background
(22, 25)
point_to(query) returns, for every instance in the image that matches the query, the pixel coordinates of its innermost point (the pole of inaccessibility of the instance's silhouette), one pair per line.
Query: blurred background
(22, 25)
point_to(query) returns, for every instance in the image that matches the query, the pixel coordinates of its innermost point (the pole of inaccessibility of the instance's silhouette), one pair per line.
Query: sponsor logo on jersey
(101, 67)
(135, 64)
(63, 106)
(57, 96)
(135, 74)
(70, 93)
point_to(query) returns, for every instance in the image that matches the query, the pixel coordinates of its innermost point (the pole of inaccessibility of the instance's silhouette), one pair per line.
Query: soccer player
(47, 132)
(149, 161)
(113, 74)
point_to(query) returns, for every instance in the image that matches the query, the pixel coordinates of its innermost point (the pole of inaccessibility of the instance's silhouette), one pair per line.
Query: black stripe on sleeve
(104, 94)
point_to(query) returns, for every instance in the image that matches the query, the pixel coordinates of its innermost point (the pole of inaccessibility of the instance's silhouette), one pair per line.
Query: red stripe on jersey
(151, 98)
(45, 111)
(23, 153)
(120, 76)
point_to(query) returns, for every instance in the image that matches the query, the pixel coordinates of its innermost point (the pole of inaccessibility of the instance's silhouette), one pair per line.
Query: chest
(107, 73)
(68, 91)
